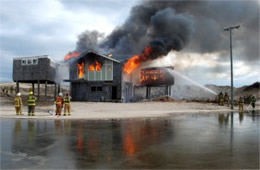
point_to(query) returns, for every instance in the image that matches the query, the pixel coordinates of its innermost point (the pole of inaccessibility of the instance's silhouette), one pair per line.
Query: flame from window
(152, 75)
(136, 60)
(81, 70)
(96, 66)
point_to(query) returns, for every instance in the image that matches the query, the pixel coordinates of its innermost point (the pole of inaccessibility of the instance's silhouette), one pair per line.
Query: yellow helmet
(31, 92)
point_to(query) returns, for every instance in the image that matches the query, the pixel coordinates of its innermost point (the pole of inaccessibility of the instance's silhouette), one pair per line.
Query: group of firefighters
(60, 102)
(224, 99)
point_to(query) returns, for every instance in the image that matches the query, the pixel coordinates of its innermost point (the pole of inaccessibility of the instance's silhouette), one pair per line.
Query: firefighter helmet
(18, 94)
(31, 92)
(60, 93)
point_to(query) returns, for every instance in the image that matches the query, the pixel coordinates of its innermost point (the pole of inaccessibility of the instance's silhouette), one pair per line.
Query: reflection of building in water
(106, 141)
(137, 135)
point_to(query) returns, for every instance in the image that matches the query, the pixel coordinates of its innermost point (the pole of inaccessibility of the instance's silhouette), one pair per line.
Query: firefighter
(241, 104)
(67, 106)
(18, 104)
(59, 104)
(31, 104)
(226, 98)
(221, 99)
(253, 100)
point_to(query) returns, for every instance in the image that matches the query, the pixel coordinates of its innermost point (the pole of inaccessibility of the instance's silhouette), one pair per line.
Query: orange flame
(81, 70)
(147, 75)
(136, 60)
(97, 66)
(91, 67)
(71, 55)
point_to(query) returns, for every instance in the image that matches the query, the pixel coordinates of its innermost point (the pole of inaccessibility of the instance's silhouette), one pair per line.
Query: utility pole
(231, 60)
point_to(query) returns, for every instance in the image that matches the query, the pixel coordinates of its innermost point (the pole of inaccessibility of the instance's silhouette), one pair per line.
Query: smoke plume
(173, 25)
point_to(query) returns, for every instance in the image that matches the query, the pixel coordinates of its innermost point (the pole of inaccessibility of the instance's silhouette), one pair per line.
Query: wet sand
(98, 110)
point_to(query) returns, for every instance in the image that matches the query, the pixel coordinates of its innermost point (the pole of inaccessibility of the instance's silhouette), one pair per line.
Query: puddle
(213, 141)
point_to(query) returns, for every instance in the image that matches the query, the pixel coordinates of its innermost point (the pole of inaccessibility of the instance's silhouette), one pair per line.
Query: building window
(96, 88)
(99, 88)
(35, 61)
(24, 62)
(29, 61)
(103, 73)
(93, 88)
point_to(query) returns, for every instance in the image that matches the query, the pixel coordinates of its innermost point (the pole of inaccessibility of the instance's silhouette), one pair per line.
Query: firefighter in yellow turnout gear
(31, 104)
(18, 104)
(221, 99)
(226, 99)
(67, 107)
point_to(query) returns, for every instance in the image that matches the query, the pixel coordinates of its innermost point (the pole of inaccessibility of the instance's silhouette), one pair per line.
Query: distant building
(35, 70)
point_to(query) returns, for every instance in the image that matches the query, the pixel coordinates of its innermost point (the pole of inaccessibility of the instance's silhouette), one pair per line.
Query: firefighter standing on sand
(18, 104)
(221, 99)
(226, 98)
(241, 104)
(67, 106)
(31, 102)
(59, 104)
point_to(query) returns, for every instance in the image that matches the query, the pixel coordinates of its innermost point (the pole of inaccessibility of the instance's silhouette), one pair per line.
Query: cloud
(51, 27)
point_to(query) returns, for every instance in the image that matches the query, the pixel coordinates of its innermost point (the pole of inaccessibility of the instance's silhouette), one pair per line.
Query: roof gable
(85, 54)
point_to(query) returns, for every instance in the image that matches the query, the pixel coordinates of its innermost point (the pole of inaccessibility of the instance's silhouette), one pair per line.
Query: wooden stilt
(33, 87)
(17, 87)
(166, 90)
(46, 90)
(38, 90)
(58, 88)
(55, 91)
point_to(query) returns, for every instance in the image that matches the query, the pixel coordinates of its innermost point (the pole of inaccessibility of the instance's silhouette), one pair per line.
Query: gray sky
(29, 27)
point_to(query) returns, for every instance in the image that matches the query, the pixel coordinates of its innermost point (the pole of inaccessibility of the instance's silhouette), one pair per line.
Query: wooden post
(58, 88)
(38, 90)
(166, 90)
(33, 87)
(55, 91)
(148, 91)
(46, 90)
(17, 87)
(170, 90)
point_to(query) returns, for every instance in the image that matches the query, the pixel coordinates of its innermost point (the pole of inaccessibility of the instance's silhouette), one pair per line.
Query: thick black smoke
(172, 25)
(88, 40)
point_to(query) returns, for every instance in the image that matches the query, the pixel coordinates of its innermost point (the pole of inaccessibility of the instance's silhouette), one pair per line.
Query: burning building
(96, 77)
